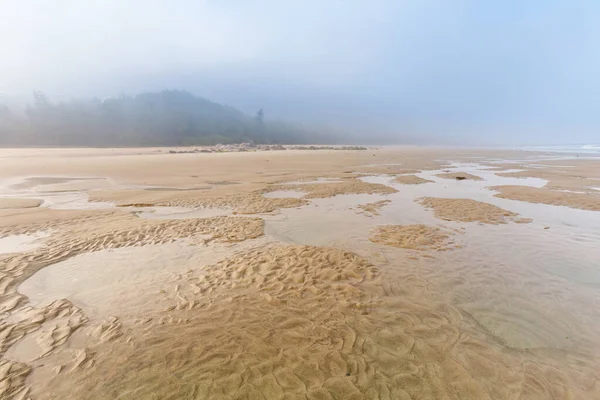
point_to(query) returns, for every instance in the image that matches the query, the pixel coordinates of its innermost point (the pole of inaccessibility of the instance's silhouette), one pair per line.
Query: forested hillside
(167, 118)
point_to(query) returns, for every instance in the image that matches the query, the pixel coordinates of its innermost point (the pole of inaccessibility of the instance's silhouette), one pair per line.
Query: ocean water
(567, 148)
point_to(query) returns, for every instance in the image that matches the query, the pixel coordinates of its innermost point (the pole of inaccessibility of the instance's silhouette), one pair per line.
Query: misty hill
(167, 118)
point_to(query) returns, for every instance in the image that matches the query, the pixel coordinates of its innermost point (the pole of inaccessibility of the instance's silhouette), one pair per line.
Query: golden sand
(304, 322)
(347, 186)
(414, 237)
(251, 203)
(88, 235)
(224, 345)
(237, 314)
(410, 180)
(581, 201)
(467, 210)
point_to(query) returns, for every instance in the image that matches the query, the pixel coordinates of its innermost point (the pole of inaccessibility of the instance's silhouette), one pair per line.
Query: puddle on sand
(530, 287)
(282, 194)
(121, 281)
(173, 189)
(62, 193)
(318, 180)
(56, 183)
(33, 181)
(479, 190)
(72, 201)
(22, 243)
(490, 178)
(181, 212)
(331, 220)
(512, 254)
(322, 222)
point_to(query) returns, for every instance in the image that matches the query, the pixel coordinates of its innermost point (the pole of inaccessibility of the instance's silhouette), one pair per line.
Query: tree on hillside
(260, 116)
(40, 100)
(4, 112)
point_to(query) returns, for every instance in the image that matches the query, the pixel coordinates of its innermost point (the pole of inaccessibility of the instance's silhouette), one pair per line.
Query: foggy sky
(441, 71)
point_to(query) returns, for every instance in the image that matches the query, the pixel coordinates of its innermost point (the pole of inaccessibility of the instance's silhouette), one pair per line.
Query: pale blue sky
(454, 71)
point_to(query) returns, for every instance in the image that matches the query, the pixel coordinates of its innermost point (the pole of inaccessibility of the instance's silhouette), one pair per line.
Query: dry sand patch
(414, 237)
(410, 180)
(331, 189)
(581, 201)
(467, 210)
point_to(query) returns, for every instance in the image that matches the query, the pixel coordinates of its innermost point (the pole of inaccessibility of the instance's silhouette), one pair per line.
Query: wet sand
(16, 203)
(135, 273)
(410, 180)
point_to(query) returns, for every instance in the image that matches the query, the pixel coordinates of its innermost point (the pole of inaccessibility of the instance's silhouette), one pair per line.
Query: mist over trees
(167, 118)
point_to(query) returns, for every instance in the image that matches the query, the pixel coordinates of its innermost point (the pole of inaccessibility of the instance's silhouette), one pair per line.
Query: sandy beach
(386, 273)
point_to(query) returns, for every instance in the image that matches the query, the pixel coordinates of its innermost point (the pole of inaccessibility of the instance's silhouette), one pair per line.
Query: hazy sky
(447, 71)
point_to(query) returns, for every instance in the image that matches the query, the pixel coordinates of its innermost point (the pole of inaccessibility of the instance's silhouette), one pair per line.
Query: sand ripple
(246, 203)
(112, 231)
(415, 237)
(410, 180)
(590, 201)
(330, 189)
(12, 379)
(267, 323)
(467, 210)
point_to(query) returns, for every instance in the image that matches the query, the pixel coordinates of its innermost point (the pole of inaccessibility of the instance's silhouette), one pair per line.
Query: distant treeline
(167, 118)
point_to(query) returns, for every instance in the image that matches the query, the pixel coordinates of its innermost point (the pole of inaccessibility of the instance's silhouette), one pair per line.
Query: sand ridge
(250, 203)
(12, 379)
(410, 180)
(331, 189)
(582, 201)
(414, 237)
(467, 210)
